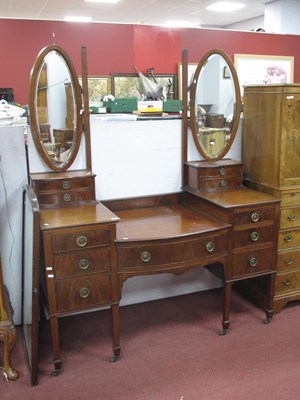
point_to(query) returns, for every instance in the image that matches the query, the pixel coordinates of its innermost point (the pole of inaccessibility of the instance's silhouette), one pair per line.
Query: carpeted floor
(171, 350)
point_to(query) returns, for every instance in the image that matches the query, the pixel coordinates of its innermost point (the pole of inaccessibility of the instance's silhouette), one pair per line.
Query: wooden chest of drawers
(64, 189)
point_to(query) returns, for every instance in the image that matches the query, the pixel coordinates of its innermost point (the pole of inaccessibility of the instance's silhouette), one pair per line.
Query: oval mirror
(54, 108)
(215, 105)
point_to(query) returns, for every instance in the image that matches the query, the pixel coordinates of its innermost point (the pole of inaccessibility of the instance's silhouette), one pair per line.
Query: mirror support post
(86, 111)
(184, 91)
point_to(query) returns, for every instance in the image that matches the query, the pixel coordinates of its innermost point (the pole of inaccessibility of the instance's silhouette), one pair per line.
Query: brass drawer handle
(66, 185)
(210, 247)
(81, 241)
(286, 282)
(222, 171)
(145, 256)
(223, 183)
(288, 238)
(292, 217)
(67, 197)
(255, 217)
(253, 262)
(254, 236)
(83, 264)
(288, 261)
(84, 293)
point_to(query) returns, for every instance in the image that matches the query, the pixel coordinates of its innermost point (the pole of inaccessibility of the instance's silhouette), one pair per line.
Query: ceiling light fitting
(78, 19)
(225, 6)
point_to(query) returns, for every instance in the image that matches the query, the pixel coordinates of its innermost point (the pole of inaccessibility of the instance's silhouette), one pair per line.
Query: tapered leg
(271, 279)
(226, 307)
(8, 337)
(55, 345)
(115, 332)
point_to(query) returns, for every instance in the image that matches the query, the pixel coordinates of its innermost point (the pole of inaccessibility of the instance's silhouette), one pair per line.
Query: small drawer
(80, 293)
(64, 184)
(219, 183)
(287, 282)
(80, 263)
(289, 218)
(289, 239)
(290, 199)
(67, 197)
(288, 260)
(152, 255)
(253, 236)
(255, 216)
(80, 240)
(252, 262)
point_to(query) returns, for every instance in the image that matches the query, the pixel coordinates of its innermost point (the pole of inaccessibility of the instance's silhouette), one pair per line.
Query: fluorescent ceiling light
(225, 6)
(78, 19)
(103, 1)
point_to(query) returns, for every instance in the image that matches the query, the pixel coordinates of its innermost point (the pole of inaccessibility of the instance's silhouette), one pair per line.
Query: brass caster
(114, 359)
(55, 373)
(267, 321)
(223, 332)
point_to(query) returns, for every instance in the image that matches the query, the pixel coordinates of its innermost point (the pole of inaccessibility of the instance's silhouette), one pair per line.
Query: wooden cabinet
(271, 148)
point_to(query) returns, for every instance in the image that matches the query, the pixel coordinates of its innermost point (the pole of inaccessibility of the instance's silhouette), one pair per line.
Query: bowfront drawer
(82, 263)
(66, 197)
(64, 184)
(253, 236)
(151, 255)
(289, 239)
(288, 260)
(252, 262)
(287, 282)
(80, 240)
(255, 216)
(81, 293)
(219, 183)
(289, 218)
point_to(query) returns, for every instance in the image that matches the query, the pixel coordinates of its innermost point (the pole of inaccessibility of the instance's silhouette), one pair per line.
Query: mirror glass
(215, 105)
(54, 107)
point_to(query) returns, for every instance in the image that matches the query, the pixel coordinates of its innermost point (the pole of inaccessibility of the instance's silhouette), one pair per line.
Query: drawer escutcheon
(286, 282)
(81, 241)
(66, 185)
(292, 217)
(223, 183)
(288, 238)
(83, 264)
(67, 197)
(210, 247)
(84, 293)
(254, 236)
(145, 256)
(288, 261)
(222, 171)
(252, 262)
(255, 217)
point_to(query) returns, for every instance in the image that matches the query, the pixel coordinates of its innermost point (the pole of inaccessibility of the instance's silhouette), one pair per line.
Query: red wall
(120, 48)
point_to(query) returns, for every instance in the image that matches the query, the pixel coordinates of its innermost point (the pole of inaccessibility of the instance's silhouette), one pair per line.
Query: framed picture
(263, 70)
(130, 85)
(226, 73)
(191, 71)
(99, 86)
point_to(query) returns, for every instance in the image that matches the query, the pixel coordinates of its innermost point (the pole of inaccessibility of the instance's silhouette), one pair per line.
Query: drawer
(252, 262)
(290, 199)
(264, 214)
(81, 293)
(289, 218)
(253, 236)
(219, 183)
(289, 239)
(80, 263)
(80, 240)
(288, 260)
(287, 282)
(63, 184)
(66, 197)
(151, 255)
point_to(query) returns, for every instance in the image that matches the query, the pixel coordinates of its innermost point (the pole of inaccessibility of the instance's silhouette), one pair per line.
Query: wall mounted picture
(99, 86)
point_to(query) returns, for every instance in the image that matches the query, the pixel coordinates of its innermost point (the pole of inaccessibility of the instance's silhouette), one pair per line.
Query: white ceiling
(148, 12)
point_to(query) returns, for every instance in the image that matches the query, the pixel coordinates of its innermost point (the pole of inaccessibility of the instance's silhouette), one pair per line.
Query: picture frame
(226, 73)
(191, 71)
(129, 85)
(99, 86)
(255, 69)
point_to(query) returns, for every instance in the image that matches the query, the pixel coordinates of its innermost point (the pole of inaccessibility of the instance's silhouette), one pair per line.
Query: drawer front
(290, 199)
(80, 240)
(80, 263)
(255, 216)
(252, 262)
(66, 197)
(289, 239)
(81, 293)
(149, 255)
(253, 236)
(287, 282)
(219, 183)
(289, 218)
(221, 172)
(64, 184)
(288, 260)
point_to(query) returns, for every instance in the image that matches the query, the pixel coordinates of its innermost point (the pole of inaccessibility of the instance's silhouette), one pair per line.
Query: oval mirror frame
(33, 114)
(193, 106)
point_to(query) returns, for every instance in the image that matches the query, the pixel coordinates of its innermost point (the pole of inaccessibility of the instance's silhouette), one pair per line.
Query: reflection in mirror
(30, 279)
(55, 102)
(215, 105)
